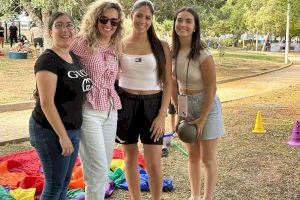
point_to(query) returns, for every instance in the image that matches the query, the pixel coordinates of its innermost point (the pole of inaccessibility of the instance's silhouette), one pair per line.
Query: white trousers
(97, 140)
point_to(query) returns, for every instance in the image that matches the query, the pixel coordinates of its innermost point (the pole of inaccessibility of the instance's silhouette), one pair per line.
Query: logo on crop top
(138, 60)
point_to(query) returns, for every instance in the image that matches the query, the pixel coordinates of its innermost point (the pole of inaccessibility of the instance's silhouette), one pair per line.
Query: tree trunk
(30, 10)
(256, 41)
(45, 17)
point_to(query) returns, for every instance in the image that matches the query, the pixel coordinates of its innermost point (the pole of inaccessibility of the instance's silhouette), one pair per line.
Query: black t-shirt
(1, 31)
(72, 84)
(13, 31)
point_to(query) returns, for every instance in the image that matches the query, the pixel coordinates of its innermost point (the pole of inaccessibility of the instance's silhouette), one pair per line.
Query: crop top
(139, 72)
(195, 80)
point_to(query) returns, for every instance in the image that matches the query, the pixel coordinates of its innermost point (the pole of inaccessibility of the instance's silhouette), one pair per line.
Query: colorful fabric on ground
(118, 176)
(109, 188)
(22, 170)
(75, 194)
(26, 161)
(77, 180)
(4, 195)
(118, 154)
(117, 163)
(36, 182)
(23, 194)
(10, 178)
(144, 185)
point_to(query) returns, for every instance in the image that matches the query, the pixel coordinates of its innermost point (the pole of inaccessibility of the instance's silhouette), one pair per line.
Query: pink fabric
(102, 67)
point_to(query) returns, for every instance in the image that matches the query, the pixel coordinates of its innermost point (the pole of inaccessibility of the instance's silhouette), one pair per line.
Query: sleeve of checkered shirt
(78, 47)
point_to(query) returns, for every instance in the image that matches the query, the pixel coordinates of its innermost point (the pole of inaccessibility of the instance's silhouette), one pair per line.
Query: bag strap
(186, 78)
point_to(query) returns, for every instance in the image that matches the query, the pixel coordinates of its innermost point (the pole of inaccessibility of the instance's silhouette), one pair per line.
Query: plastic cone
(259, 127)
(295, 136)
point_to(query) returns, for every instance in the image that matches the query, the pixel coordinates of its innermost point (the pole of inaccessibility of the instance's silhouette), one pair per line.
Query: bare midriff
(141, 92)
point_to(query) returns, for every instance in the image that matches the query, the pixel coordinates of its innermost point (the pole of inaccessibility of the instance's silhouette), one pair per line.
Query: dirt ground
(242, 67)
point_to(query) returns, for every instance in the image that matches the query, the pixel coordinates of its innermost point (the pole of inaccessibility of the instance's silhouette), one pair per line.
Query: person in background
(36, 35)
(13, 33)
(97, 48)
(55, 122)
(145, 90)
(194, 71)
(1, 34)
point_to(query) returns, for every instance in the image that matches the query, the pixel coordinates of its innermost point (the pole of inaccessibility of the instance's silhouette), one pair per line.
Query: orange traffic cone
(259, 127)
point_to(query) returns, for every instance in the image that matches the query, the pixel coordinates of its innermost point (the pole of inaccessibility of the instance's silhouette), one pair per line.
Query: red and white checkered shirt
(102, 67)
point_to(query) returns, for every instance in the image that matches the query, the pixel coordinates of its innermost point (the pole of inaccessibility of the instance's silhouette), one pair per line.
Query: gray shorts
(214, 126)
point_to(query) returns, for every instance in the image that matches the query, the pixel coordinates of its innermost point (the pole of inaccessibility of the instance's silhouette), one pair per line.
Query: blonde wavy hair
(89, 25)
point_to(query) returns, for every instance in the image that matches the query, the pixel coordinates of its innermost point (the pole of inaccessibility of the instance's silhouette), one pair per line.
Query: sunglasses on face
(113, 21)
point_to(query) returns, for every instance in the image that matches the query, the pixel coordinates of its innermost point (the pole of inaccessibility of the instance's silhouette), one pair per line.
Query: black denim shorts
(136, 116)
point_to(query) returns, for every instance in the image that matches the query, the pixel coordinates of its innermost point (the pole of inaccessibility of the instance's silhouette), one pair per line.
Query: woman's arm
(158, 128)
(167, 82)
(208, 71)
(209, 78)
(46, 84)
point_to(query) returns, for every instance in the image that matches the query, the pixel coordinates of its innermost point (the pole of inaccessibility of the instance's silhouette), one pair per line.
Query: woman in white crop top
(194, 71)
(145, 91)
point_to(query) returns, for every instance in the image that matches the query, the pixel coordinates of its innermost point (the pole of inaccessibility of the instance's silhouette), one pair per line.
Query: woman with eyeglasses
(97, 48)
(55, 122)
(194, 71)
(145, 91)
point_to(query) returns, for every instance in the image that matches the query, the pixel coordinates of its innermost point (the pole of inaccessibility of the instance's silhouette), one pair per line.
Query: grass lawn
(251, 166)
(17, 79)
(253, 56)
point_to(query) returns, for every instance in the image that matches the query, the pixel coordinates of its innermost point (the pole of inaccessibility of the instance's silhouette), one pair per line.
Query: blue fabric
(144, 186)
(56, 167)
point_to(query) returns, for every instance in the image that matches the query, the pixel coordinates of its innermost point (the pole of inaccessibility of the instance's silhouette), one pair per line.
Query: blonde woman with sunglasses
(97, 49)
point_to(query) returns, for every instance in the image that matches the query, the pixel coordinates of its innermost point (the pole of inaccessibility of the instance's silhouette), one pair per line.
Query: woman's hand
(199, 123)
(66, 146)
(158, 127)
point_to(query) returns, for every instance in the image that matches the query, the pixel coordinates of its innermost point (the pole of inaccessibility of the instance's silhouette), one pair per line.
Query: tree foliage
(264, 16)
(217, 16)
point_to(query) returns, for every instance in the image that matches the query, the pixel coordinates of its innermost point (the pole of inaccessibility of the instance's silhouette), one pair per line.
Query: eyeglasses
(60, 26)
(113, 21)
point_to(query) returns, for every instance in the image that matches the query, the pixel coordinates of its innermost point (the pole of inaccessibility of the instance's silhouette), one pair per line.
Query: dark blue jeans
(56, 167)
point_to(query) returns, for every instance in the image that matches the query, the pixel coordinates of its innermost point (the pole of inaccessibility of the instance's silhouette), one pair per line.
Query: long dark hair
(51, 21)
(156, 45)
(196, 44)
